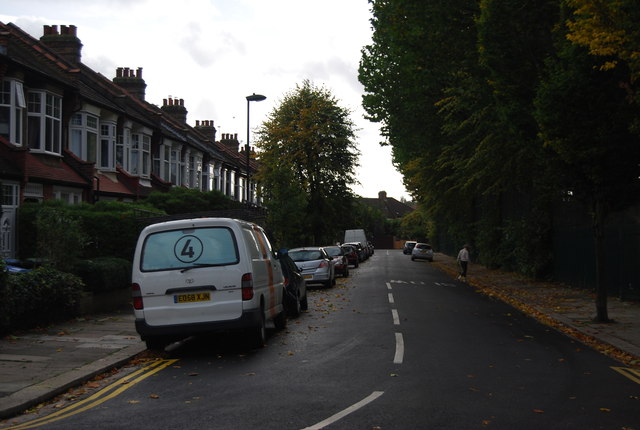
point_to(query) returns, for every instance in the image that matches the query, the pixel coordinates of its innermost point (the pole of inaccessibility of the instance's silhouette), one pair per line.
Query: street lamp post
(252, 98)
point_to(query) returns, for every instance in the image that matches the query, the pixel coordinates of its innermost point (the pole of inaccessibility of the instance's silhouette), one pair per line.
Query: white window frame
(13, 102)
(67, 194)
(123, 149)
(83, 136)
(44, 122)
(107, 145)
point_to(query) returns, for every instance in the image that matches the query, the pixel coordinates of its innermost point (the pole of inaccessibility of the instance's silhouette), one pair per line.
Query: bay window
(83, 136)
(12, 104)
(44, 114)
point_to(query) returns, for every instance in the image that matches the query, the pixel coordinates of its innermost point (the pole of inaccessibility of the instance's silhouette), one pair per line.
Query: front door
(9, 201)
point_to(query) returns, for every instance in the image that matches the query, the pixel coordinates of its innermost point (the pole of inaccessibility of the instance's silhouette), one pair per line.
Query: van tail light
(247, 286)
(136, 294)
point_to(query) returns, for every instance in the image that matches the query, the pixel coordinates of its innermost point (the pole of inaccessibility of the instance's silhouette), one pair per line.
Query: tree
(307, 156)
(586, 118)
(608, 29)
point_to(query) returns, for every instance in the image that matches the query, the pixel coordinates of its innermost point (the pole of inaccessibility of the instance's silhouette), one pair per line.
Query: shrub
(104, 273)
(39, 297)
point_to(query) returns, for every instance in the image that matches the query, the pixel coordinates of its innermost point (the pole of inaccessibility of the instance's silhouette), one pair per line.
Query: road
(397, 345)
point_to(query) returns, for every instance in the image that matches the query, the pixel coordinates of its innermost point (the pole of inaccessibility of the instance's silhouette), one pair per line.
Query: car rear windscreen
(179, 249)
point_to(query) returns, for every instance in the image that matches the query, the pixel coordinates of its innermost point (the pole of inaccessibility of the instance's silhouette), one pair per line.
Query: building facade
(69, 133)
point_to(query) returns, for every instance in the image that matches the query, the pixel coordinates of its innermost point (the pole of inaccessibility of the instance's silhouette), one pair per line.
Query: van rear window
(179, 249)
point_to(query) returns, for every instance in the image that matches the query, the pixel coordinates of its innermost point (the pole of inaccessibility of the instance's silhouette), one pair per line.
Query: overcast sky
(213, 53)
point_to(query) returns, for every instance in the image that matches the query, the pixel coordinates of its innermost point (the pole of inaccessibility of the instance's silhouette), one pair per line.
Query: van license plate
(192, 297)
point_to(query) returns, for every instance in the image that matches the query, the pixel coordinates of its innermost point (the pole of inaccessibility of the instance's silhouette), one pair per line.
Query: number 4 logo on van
(188, 249)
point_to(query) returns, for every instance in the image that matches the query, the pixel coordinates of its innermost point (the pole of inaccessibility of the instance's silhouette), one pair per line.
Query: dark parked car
(408, 247)
(339, 258)
(351, 254)
(362, 253)
(295, 287)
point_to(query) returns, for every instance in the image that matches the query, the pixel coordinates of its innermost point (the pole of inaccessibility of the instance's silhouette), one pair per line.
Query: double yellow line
(633, 374)
(100, 397)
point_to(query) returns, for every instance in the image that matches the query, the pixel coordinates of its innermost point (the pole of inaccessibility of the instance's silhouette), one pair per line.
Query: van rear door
(190, 275)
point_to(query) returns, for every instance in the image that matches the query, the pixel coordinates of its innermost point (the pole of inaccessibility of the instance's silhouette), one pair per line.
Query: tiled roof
(390, 207)
(51, 169)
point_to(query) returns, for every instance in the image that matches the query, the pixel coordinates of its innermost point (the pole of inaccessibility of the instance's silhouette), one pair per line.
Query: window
(69, 195)
(106, 159)
(83, 135)
(195, 171)
(178, 249)
(140, 154)
(123, 149)
(175, 167)
(44, 112)
(12, 104)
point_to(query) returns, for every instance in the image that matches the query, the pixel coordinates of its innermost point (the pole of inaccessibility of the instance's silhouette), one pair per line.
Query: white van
(205, 275)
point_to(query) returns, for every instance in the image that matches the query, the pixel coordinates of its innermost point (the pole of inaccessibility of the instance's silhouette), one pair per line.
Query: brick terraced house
(69, 133)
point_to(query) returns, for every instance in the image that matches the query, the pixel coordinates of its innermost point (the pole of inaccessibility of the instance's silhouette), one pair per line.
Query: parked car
(370, 248)
(362, 253)
(422, 251)
(295, 298)
(339, 259)
(316, 265)
(197, 276)
(17, 266)
(352, 255)
(408, 247)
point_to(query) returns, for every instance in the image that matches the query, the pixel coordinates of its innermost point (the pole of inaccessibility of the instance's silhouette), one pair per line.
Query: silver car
(422, 251)
(316, 265)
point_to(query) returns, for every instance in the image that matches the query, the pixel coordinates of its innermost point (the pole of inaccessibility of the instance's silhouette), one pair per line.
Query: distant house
(392, 209)
(69, 133)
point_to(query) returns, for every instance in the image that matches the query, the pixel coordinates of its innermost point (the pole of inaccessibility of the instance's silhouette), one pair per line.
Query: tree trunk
(602, 314)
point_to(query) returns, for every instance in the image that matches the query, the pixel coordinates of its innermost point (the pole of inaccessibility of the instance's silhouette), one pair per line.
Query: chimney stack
(65, 43)
(175, 108)
(230, 141)
(131, 81)
(207, 128)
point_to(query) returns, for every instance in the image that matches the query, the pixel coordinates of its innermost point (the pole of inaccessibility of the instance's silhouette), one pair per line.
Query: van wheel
(280, 321)
(259, 334)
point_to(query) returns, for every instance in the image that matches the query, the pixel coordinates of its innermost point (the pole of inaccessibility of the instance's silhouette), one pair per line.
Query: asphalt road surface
(397, 345)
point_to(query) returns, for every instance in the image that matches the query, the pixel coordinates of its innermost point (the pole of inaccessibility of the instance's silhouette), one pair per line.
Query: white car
(205, 275)
(422, 251)
(315, 265)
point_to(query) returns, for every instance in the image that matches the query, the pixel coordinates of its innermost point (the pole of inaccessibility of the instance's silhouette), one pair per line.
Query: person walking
(463, 261)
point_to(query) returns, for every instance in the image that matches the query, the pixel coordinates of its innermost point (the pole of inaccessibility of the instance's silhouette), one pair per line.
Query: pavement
(38, 365)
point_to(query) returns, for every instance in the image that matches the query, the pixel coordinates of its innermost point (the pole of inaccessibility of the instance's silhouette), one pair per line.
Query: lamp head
(255, 97)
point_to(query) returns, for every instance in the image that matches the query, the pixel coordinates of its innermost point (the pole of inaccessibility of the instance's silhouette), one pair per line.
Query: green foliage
(416, 226)
(60, 237)
(307, 162)
(39, 297)
(104, 273)
(492, 115)
(105, 229)
(179, 200)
